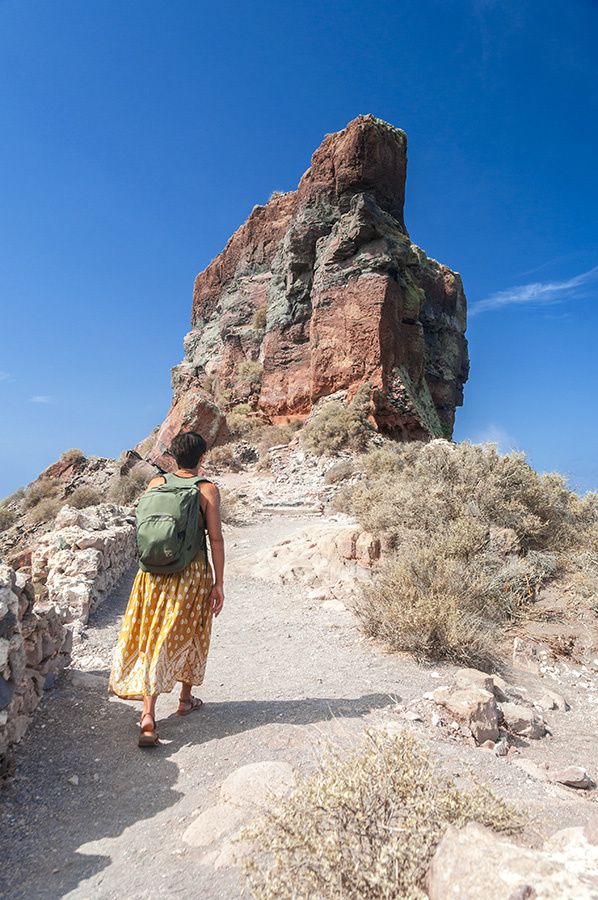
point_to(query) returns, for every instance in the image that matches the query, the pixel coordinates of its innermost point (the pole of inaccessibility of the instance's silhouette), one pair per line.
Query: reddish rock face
(320, 291)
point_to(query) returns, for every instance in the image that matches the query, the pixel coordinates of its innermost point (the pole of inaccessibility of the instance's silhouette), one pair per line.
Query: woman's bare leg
(149, 709)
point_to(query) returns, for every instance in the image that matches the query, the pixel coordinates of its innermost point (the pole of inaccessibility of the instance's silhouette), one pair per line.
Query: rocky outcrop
(77, 564)
(321, 291)
(34, 646)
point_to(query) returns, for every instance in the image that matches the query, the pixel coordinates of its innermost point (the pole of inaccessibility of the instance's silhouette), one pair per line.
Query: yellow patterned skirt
(165, 634)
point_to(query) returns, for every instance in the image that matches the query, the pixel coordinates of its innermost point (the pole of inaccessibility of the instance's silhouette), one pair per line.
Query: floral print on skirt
(165, 634)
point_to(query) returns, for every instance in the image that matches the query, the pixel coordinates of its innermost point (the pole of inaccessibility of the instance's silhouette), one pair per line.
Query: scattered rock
(74, 779)
(531, 768)
(501, 748)
(528, 655)
(575, 777)
(475, 707)
(523, 720)
(551, 700)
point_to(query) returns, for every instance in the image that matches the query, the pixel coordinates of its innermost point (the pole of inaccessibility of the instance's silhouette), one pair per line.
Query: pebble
(74, 779)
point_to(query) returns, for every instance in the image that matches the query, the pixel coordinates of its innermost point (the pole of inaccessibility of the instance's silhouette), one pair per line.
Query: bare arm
(214, 527)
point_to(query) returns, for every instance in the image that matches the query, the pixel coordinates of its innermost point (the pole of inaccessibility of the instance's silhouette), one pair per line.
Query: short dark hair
(187, 448)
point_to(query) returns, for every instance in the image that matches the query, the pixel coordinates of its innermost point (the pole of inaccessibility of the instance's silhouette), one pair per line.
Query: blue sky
(137, 136)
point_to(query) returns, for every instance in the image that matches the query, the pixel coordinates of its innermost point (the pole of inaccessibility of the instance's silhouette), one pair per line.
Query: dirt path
(90, 815)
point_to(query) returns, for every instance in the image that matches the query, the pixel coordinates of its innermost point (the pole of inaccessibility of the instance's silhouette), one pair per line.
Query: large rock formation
(320, 291)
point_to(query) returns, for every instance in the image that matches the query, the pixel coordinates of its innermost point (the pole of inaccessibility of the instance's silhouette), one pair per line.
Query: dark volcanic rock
(320, 291)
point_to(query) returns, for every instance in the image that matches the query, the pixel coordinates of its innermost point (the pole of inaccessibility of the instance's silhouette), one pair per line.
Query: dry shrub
(339, 471)
(273, 435)
(73, 455)
(421, 487)
(43, 489)
(14, 499)
(125, 489)
(7, 518)
(83, 496)
(45, 510)
(230, 507)
(258, 320)
(242, 421)
(339, 426)
(250, 370)
(365, 826)
(445, 592)
(223, 457)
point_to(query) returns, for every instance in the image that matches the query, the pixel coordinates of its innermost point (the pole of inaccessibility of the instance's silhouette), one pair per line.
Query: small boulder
(574, 776)
(475, 707)
(528, 655)
(552, 700)
(523, 720)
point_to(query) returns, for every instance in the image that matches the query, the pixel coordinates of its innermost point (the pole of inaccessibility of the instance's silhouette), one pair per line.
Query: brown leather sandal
(193, 703)
(147, 738)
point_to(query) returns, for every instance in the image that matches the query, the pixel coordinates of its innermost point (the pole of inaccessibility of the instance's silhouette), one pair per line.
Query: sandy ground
(285, 674)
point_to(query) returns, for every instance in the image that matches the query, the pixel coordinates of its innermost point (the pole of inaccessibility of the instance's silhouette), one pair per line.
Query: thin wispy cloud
(40, 398)
(539, 292)
(6, 376)
(495, 434)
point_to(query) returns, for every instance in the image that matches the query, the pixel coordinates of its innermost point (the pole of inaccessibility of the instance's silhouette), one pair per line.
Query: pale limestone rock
(475, 707)
(523, 720)
(473, 862)
(212, 824)
(256, 783)
(574, 776)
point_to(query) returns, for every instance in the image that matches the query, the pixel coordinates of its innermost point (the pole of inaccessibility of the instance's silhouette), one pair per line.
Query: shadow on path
(45, 818)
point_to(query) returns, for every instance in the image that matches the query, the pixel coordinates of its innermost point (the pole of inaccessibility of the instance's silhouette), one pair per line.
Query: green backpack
(169, 531)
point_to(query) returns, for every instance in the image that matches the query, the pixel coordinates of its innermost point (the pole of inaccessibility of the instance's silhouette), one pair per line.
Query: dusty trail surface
(90, 815)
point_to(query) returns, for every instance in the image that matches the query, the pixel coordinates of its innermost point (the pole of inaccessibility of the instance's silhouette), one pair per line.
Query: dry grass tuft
(366, 826)
(45, 510)
(230, 507)
(43, 489)
(83, 496)
(339, 471)
(446, 590)
(7, 518)
(126, 489)
(222, 458)
(73, 455)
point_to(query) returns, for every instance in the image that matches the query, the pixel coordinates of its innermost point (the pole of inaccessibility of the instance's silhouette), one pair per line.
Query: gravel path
(90, 815)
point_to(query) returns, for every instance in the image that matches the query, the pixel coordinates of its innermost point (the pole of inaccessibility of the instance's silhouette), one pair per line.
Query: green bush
(16, 497)
(242, 421)
(365, 826)
(83, 496)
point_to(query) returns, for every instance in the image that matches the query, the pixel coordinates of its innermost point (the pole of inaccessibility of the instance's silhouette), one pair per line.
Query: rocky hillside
(321, 291)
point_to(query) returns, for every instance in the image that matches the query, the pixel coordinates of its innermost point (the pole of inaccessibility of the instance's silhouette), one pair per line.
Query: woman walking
(165, 634)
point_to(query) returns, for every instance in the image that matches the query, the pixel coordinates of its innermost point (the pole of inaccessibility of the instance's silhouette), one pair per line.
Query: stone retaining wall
(34, 646)
(76, 565)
